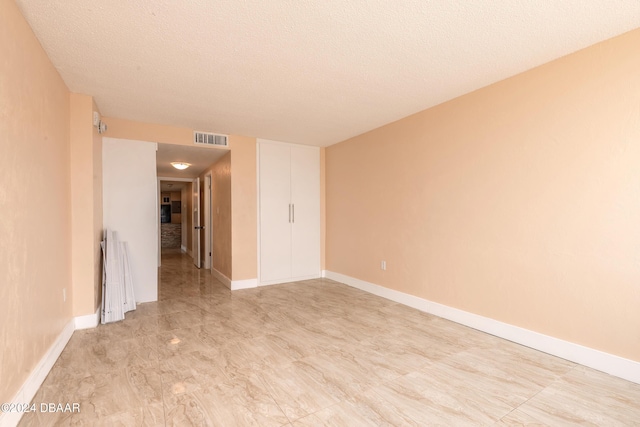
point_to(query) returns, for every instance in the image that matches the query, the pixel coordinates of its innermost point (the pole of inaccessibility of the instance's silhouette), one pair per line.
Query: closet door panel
(275, 196)
(305, 197)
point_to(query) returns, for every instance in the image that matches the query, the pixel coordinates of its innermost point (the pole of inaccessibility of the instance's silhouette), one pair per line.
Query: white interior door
(275, 212)
(305, 201)
(196, 222)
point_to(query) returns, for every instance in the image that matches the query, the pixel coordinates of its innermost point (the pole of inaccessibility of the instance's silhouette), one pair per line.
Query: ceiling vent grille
(204, 138)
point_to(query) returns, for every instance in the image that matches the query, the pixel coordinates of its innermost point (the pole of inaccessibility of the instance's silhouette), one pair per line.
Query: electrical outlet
(64, 294)
(383, 265)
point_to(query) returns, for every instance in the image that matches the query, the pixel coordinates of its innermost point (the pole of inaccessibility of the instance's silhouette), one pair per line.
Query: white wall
(130, 204)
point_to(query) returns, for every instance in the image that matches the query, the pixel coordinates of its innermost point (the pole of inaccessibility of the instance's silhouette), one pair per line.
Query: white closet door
(275, 196)
(305, 198)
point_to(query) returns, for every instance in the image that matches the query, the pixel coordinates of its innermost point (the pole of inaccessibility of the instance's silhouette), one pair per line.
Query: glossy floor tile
(312, 353)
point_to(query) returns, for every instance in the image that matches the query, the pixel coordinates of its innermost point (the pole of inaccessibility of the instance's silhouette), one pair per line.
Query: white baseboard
(596, 359)
(38, 374)
(234, 285)
(183, 249)
(244, 284)
(87, 321)
(323, 273)
(289, 280)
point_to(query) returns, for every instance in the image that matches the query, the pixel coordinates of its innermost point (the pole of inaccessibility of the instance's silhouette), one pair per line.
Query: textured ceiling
(312, 72)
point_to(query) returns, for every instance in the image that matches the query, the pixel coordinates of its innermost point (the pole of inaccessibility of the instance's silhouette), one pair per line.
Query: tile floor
(314, 353)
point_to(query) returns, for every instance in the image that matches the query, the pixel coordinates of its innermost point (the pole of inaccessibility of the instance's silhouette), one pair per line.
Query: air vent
(204, 138)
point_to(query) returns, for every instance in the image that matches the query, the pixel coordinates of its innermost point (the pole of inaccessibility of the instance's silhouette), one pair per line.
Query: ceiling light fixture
(180, 165)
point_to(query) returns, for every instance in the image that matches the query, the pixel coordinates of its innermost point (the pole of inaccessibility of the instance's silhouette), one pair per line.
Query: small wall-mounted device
(97, 122)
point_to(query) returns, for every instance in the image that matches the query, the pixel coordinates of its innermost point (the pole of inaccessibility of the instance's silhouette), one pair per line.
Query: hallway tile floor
(312, 353)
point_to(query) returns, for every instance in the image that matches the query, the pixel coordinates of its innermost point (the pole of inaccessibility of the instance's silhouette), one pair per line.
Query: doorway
(174, 216)
(205, 169)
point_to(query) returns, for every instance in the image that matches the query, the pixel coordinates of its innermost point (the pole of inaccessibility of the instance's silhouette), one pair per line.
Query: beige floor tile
(123, 393)
(251, 355)
(517, 418)
(296, 393)
(73, 363)
(512, 376)
(144, 325)
(430, 399)
(339, 415)
(145, 416)
(367, 409)
(252, 324)
(116, 331)
(37, 419)
(187, 372)
(133, 352)
(373, 364)
(337, 376)
(179, 341)
(242, 402)
(335, 332)
(123, 390)
(587, 397)
(415, 349)
(183, 319)
(58, 393)
(372, 406)
(309, 339)
(222, 332)
(293, 348)
(313, 352)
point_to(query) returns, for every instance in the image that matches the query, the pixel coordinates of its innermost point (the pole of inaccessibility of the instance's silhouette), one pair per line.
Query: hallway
(178, 278)
(312, 353)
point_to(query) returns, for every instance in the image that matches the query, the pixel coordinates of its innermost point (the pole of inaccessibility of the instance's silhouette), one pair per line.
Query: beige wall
(519, 202)
(97, 213)
(221, 214)
(244, 208)
(35, 225)
(86, 205)
(129, 129)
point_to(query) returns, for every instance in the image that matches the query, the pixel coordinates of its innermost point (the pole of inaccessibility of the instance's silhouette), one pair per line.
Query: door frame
(208, 228)
(195, 211)
(160, 179)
